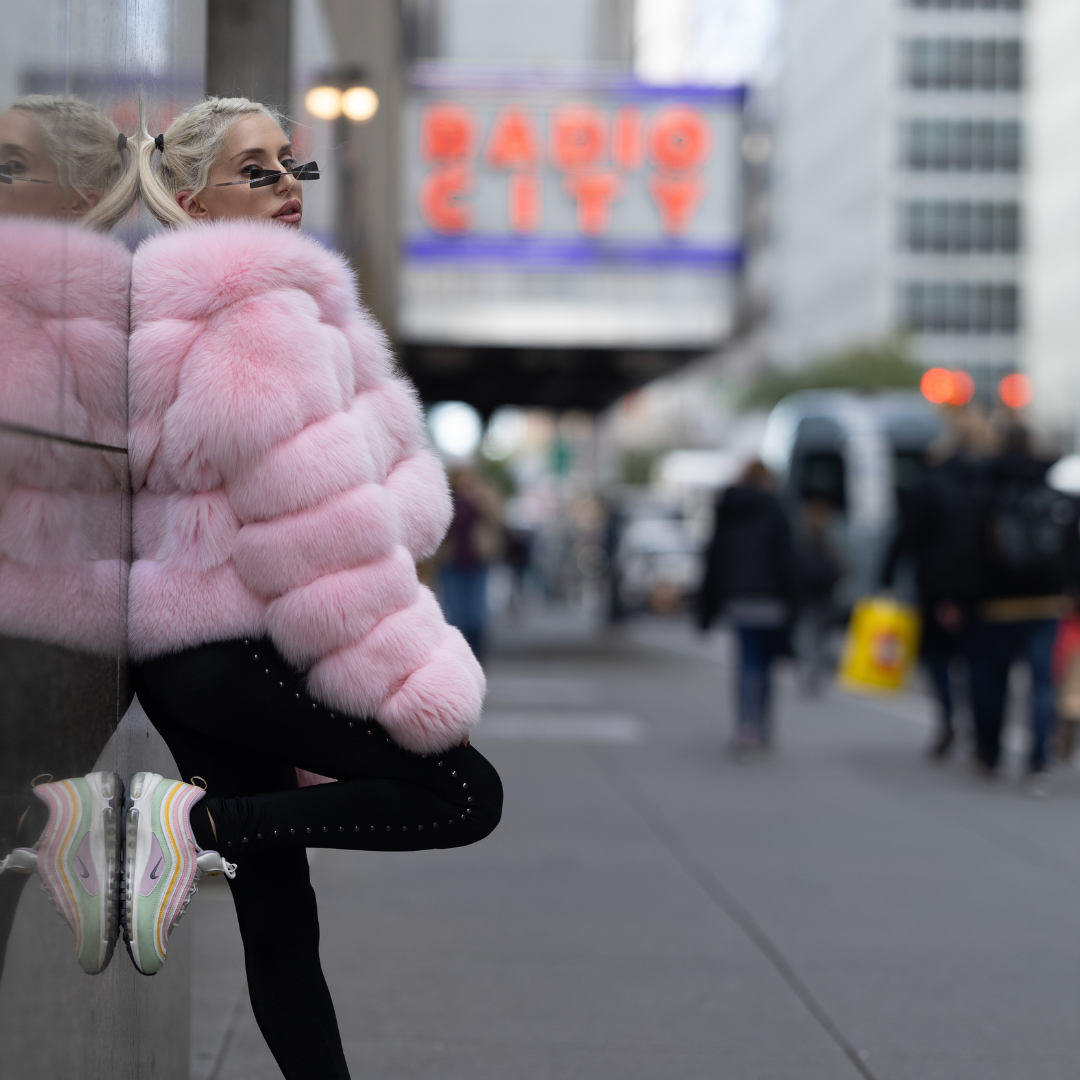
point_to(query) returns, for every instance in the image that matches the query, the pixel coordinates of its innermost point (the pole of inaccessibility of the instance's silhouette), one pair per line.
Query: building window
(962, 145)
(967, 5)
(961, 228)
(962, 64)
(959, 307)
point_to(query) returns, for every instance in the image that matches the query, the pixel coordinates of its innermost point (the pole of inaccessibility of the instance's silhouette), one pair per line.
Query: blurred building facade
(898, 193)
(1052, 323)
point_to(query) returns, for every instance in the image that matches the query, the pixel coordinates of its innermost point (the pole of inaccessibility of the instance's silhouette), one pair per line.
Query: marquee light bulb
(359, 103)
(324, 102)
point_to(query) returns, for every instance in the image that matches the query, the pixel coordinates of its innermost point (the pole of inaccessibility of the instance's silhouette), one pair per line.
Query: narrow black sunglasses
(269, 177)
(7, 178)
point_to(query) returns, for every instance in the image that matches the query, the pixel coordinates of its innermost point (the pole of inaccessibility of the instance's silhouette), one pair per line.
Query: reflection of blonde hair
(192, 145)
(83, 142)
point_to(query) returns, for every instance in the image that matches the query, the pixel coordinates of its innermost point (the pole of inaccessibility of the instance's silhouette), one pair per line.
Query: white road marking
(542, 690)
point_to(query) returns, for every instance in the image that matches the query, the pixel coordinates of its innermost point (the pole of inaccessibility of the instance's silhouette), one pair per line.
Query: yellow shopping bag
(880, 646)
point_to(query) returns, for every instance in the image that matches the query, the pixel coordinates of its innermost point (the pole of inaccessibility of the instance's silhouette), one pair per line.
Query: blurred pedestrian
(818, 571)
(614, 524)
(941, 531)
(518, 544)
(473, 542)
(750, 578)
(1032, 549)
(1066, 666)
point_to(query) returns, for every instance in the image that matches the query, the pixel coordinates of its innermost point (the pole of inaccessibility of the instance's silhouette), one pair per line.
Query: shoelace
(19, 861)
(213, 862)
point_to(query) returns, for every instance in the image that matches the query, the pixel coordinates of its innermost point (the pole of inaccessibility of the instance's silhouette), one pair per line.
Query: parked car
(656, 562)
(860, 453)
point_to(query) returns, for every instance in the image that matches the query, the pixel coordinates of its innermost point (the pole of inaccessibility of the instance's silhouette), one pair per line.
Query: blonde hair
(193, 143)
(86, 147)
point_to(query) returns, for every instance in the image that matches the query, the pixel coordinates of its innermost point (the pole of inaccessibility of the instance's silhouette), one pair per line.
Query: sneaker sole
(108, 791)
(134, 791)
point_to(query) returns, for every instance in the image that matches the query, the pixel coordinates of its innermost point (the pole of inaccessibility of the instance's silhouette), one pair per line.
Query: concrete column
(369, 36)
(248, 50)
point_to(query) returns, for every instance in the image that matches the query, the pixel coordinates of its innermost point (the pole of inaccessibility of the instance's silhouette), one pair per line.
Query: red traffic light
(945, 387)
(1015, 391)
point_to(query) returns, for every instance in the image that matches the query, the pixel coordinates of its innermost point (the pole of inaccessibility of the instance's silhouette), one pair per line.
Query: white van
(862, 454)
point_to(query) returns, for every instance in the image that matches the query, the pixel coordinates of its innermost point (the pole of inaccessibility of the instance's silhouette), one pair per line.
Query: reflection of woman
(65, 174)
(62, 159)
(283, 493)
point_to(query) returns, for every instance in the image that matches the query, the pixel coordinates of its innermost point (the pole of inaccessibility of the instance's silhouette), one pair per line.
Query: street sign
(568, 210)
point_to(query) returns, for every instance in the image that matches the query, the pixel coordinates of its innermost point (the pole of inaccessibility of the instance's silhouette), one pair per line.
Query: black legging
(238, 715)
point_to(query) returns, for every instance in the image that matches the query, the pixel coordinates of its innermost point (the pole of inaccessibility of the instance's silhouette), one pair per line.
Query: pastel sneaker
(78, 861)
(163, 864)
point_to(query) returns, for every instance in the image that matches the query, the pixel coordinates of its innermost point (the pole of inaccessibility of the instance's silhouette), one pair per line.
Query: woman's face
(253, 142)
(24, 158)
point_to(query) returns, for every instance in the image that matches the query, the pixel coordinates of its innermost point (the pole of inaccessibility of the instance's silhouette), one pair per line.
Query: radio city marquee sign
(571, 210)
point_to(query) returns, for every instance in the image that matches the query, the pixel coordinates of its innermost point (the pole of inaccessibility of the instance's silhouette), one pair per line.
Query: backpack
(1030, 526)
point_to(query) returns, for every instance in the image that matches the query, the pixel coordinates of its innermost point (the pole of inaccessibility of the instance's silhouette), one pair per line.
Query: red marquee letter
(439, 195)
(677, 198)
(577, 136)
(447, 132)
(512, 143)
(524, 202)
(594, 193)
(679, 139)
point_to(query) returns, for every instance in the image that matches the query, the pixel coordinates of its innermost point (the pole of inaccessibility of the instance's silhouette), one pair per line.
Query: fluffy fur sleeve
(278, 389)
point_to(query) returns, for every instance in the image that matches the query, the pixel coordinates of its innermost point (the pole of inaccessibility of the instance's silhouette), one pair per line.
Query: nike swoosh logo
(81, 867)
(156, 872)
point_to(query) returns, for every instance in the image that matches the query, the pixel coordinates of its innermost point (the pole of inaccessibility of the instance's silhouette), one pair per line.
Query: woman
(283, 493)
(67, 175)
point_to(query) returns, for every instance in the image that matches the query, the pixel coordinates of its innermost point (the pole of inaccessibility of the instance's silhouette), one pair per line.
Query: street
(652, 908)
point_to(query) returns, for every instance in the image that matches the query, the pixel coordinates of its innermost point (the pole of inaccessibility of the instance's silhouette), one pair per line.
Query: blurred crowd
(993, 551)
(982, 546)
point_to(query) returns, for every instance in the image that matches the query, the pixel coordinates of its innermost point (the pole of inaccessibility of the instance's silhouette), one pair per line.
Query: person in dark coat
(750, 578)
(819, 569)
(1030, 564)
(941, 531)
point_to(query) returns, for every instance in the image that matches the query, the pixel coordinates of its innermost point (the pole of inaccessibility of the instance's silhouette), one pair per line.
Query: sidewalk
(652, 909)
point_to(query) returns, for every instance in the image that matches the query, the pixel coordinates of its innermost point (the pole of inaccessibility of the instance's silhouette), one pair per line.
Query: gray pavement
(652, 908)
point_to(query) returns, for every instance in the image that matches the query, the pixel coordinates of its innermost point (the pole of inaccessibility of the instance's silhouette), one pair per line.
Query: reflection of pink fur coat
(63, 363)
(282, 481)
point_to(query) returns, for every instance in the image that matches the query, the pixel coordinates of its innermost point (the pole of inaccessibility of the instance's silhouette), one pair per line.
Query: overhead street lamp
(343, 98)
(354, 101)
(323, 102)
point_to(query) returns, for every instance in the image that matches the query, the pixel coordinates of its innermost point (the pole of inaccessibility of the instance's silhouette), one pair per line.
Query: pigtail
(155, 194)
(89, 155)
(121, 195)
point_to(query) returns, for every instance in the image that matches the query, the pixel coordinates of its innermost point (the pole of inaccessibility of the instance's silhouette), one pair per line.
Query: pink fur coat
(63, 362)
(283, 484)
